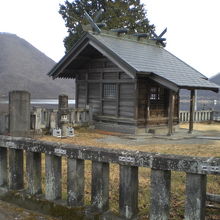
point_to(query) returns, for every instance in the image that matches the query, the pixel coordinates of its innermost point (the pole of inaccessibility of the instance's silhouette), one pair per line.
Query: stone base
(114, 127)
(130, 129)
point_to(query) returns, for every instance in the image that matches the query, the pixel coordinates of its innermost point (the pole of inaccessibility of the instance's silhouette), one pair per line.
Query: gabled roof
(137, 57)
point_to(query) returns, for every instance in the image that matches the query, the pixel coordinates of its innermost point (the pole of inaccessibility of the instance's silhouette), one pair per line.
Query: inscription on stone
(59, 151)
(126, 159)
(211, 168)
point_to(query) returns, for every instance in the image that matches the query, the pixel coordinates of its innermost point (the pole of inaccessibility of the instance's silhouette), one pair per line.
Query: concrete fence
(39, 119)
(12, 178)
(199, 116)
(42, 118)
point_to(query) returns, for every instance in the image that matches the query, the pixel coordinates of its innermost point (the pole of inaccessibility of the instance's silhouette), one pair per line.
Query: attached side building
(132, 85)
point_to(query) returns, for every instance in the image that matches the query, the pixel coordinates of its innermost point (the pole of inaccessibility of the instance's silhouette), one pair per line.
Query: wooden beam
(192, 110)
(108, 81)
(171, 112)
(164, 82)
(104, 70)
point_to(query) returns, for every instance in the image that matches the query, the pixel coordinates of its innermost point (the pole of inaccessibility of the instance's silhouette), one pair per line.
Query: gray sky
(193, 28)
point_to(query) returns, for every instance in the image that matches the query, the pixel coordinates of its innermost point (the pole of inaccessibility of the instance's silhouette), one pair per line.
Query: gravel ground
(13, 212)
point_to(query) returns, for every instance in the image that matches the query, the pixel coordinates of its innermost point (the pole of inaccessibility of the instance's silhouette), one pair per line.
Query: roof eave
(214, 89)
(80, 45)
(57, 69)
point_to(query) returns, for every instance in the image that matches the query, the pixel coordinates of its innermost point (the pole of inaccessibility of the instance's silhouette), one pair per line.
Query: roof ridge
(126, 37)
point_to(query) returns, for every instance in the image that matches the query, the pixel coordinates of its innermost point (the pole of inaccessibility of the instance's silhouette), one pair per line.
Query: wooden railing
(196, 169)
(199, 116)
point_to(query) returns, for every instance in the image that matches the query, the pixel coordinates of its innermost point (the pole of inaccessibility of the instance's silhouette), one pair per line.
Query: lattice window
(109, 90)
(154, 93)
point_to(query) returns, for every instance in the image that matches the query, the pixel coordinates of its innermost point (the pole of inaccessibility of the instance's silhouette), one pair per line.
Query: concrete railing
(80, 116)
(196, 169)
(199, 116)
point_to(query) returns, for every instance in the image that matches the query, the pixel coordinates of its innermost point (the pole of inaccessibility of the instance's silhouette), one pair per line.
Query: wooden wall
(132, 100)
(153, 108)
(91, 81)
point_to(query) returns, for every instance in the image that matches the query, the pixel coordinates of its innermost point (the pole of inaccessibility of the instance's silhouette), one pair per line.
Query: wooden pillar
(192, 110)
(160, 194)
(15, 169)
(117, 99)
(195, 197)
(136, 94)
(100, 186)
(3, 167)
(128, 191)
(76, 93)
(101, 94)
(171, 112)
(33, 168)
(75, 182)
(147, 116)
(53, 177)
(87, 89)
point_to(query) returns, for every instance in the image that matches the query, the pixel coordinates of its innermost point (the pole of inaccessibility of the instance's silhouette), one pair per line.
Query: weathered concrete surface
(13, 212)
(19, 113)
(195, 197)
(160, 194)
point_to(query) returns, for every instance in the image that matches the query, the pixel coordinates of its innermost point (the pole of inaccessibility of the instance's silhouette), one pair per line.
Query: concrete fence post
(100, 186)
(53, 177)
(33, 169)
(128, 191)
(160, 194)
(75, 182)
(15, 169)
(3, 167)
(195, 197)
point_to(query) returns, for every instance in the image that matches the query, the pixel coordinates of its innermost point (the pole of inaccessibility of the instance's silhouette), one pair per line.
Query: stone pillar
(160, 194)
(19, 125)
(195, 197)
(128, 191)
(63, 114)
(100, 186)
(19, 113)
(75, 182)
(63, 102)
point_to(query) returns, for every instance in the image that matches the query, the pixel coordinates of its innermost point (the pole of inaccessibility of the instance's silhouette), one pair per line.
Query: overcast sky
(193, 28)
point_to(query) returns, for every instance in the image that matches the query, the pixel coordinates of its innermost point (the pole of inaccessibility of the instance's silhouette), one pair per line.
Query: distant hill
(23, 67)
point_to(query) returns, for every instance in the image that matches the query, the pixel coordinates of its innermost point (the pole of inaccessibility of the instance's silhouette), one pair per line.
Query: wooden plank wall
(90, 81)
(158, 109)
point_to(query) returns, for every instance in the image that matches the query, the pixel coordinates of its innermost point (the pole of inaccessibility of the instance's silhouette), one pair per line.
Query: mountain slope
(23, 67)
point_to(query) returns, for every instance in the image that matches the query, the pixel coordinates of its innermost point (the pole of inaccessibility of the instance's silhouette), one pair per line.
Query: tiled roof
(136, 56)
(154, 59)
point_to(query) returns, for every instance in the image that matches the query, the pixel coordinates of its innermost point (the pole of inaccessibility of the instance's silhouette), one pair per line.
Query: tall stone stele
(19, 113)
(63, 114)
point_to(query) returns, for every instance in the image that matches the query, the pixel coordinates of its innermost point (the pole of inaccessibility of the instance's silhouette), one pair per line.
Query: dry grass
(89, 138)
